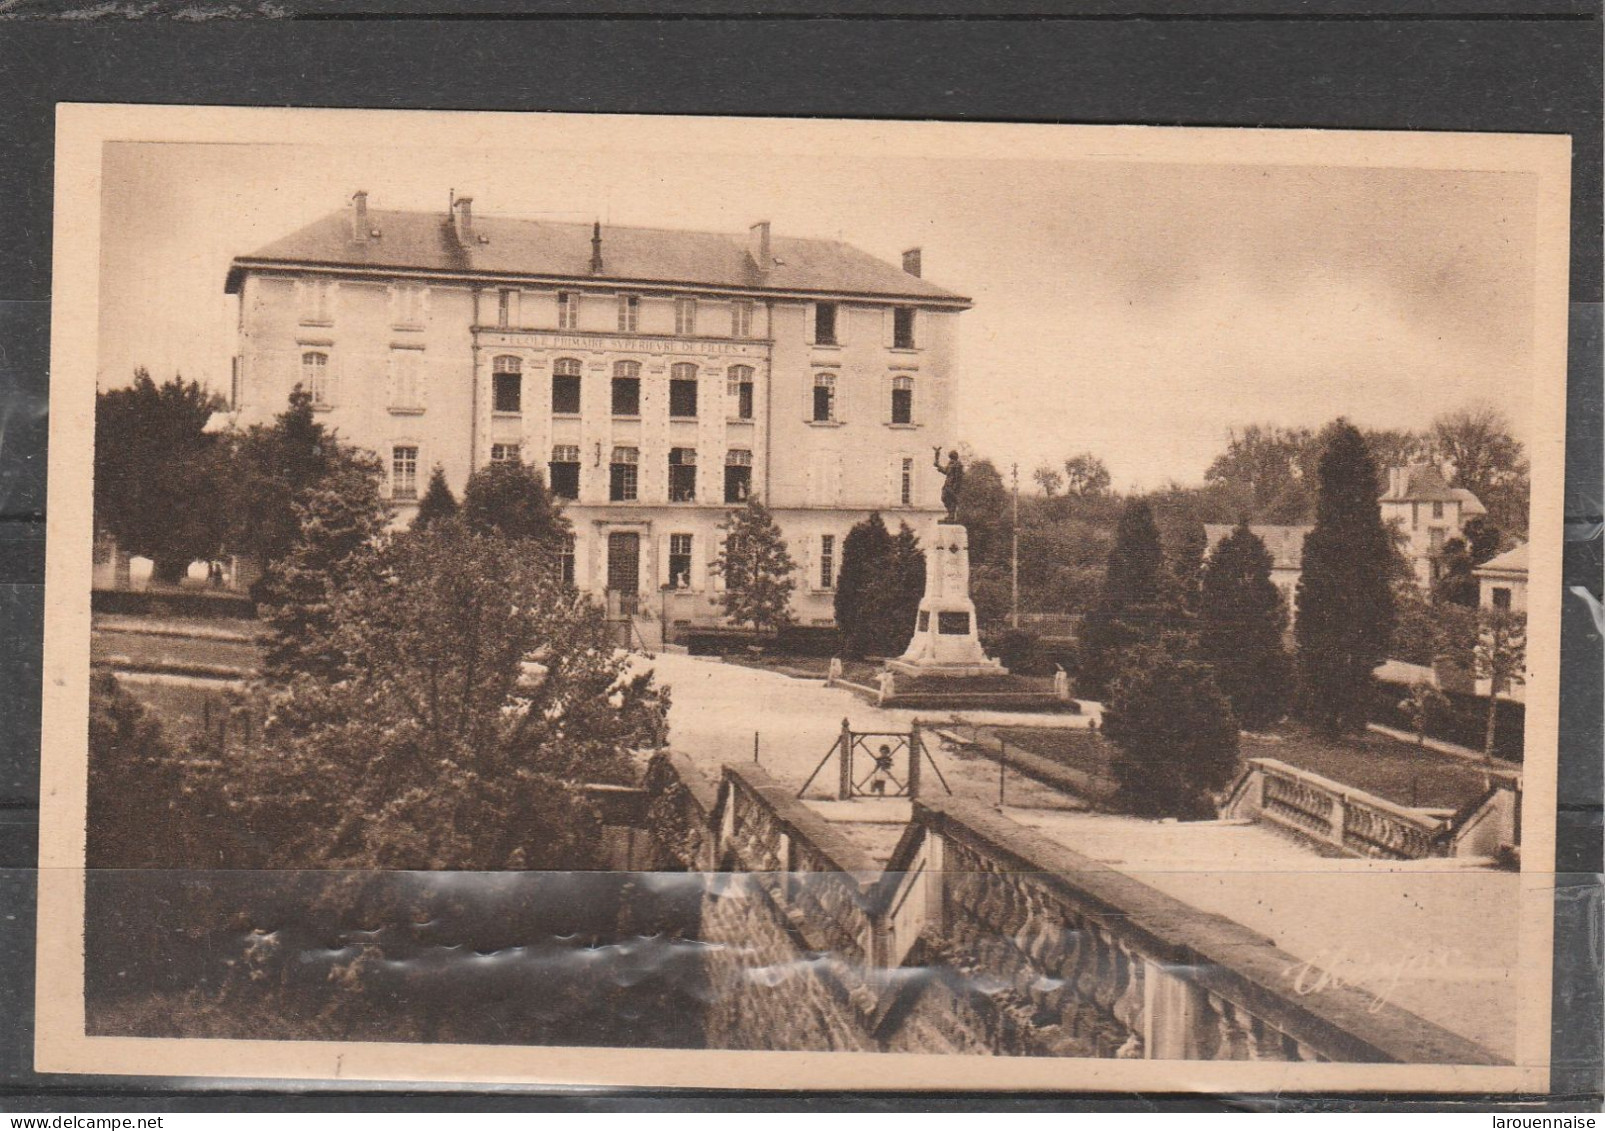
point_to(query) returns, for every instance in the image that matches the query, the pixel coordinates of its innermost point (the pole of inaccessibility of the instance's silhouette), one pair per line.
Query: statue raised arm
(952, 481)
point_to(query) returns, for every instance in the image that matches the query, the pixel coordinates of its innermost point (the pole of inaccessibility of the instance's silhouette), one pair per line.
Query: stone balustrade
(982, 936)
(1334, 815)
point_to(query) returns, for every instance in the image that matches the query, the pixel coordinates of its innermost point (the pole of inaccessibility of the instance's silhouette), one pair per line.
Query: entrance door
(624, 569)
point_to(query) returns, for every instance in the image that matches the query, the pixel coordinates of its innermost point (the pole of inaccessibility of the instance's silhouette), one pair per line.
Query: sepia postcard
(756, 603)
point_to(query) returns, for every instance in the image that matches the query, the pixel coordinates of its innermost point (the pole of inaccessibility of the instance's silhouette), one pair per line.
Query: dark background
(1480, 65)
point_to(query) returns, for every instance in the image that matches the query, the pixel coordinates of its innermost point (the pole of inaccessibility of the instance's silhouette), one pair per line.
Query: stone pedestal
(946, 641)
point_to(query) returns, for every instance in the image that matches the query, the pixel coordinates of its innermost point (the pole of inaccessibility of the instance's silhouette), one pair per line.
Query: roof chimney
(911, 261)
(359, 216)
(763, 257)
(596, 247)
(463, 219)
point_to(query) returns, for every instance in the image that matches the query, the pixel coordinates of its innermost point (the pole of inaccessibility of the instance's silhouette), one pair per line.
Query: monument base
(946, 638)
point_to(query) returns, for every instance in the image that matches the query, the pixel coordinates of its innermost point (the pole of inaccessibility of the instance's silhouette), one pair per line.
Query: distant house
(1502, 581)
(1429, 512)
(1286, 546)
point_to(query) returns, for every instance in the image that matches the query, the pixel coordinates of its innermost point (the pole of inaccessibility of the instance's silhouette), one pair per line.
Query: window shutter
(894, 480)
(333, 380)
(844, 318)
(811, 312)
(810, 562)
(332, 301)
(718, 578)
(699, 568)
(423, 304)
(663, 560)
(393, 379)
(888, 327)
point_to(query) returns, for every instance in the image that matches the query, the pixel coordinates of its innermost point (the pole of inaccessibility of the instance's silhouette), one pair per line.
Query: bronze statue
(952, 481)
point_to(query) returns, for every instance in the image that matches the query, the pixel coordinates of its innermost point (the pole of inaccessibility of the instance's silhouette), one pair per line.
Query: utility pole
(1014, 564)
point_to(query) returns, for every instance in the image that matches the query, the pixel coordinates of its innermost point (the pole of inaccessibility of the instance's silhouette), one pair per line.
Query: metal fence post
(845, 787)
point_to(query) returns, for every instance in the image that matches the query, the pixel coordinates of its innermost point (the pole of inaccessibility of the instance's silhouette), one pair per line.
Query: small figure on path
(1061, 683)
(885, 684)
(835, 672)
(952, 481)
(883, 771)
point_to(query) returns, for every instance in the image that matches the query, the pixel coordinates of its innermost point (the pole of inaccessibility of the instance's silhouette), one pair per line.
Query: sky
(1137, 310)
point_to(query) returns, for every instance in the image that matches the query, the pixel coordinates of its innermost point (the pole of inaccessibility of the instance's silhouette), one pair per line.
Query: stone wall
(984, 937)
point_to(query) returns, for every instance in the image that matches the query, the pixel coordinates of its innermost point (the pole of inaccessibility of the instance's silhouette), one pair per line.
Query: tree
(1273, 468)
(1423, 704)
(759, 574)
(477, 693)
(1455, 583)
(896, 585)
(1128, 612)
(1488, 461)
(159, 481)
(1345, 597)
(340, 520)
(983, 510)
(438, 501)
(1395, 447)
(1484, 539)
(276, 466)
(1049, 480)
(510, 497)
(1500, 657)
(1175, 735)
(1241, 622)
(864, 553)
(1086, 475)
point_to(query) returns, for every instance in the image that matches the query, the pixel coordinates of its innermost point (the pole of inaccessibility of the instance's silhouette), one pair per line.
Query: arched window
(902, 400)
(622, 475)
(740, 390)
(563, 472)
(566, 385)
(315, 377)
(683, 389)
(824, 396)
(627, 388)
(682, 475)
(507, 380)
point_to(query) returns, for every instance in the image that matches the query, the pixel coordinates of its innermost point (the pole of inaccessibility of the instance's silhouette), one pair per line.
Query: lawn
(1398, 771)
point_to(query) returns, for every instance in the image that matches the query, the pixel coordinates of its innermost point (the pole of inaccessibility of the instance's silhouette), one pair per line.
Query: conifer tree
(438, 501)
(1345, 598)
(896, 585)
(758, 571)
(864, 552)
(1175, 735)
(1129, 610)
(1241, 621)
(510, 498)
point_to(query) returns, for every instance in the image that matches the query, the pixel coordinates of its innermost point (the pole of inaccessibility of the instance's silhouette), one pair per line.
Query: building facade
(658, 378)
(1429, 512)
(1502, 581)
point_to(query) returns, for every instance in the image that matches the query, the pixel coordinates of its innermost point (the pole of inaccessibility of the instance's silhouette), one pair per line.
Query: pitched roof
(1511, 561)
(1470, 505)
(1422, 483)
(1285, 543)
(506, 246)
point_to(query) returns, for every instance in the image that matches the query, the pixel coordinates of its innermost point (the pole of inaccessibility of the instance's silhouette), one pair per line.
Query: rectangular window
(679, 561)
(827, 560)
(1435, 538)
(737, 475)
(406, 379)
(404, 472)
(317, 301)
(568, 310)
(741, 319)
(504, 453)
(626, 396)
(824, 397)
(906, 489)
(622, 479)
(407, 306)
(683, 391)
(564, 471)
(508, 394)
(1437, 510)
(317, 378)
(1501, 597)
(685, 317)
(902, 400)
(629, 313)
(739, 390)
(682, 475)
(565, 560)
(825, 323)
(903, 328)
(505, 314)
